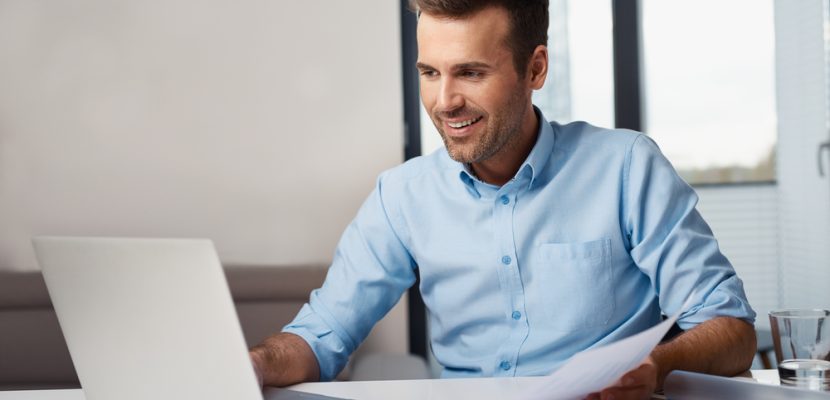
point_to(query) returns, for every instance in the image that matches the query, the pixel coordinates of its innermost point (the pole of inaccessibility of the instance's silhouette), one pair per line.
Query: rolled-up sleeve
(370, 271)
(673, 245)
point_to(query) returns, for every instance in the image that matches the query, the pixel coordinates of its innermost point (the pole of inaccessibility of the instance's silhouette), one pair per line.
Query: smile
(461, 124)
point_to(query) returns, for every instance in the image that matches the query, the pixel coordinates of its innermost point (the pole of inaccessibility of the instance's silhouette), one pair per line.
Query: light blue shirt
(592, 240)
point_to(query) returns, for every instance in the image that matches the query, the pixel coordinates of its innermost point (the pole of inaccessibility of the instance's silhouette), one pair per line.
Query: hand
(637, 384)
(257, 369)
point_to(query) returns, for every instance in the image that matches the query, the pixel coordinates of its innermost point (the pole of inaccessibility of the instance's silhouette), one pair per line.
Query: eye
(467, 73)
(429, 73)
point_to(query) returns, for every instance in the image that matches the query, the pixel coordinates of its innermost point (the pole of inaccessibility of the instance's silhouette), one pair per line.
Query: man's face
(469, 84)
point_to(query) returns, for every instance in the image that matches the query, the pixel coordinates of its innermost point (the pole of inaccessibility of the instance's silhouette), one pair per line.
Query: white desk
(436, 389)
(432, 389)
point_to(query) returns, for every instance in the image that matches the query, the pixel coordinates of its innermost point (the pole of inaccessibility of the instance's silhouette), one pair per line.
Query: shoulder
(583, 141)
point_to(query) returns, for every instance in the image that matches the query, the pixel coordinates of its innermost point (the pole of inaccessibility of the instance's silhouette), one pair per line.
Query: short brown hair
(528, 21)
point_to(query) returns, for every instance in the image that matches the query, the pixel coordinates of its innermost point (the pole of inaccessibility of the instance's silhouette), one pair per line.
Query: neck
(503, 166)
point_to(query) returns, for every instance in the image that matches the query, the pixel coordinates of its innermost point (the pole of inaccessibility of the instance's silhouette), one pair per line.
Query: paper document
(595, 369)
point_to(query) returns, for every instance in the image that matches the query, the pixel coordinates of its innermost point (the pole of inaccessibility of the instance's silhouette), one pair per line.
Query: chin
(460, 156)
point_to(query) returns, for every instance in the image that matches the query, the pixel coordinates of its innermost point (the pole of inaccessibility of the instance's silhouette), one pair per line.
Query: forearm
(284, 359)
(720, 346)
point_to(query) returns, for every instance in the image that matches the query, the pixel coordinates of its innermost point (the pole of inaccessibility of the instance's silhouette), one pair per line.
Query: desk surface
(478, 388)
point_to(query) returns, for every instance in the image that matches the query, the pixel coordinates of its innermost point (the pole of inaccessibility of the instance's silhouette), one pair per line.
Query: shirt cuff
(727, 299)
(331, 352)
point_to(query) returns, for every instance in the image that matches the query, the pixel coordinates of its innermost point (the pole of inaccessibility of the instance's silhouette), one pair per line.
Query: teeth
(462, 124)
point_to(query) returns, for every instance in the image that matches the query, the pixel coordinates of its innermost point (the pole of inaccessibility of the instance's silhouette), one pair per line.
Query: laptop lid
(147, 318)
(683, 385)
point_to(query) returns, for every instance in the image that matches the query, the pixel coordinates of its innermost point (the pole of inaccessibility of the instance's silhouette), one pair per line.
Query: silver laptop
(683, 385)
(147, 318)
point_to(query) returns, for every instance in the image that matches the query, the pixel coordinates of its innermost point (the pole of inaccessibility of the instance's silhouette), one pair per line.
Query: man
(533, 240)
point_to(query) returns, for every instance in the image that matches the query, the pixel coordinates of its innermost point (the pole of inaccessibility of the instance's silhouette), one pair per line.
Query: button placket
(504, 207)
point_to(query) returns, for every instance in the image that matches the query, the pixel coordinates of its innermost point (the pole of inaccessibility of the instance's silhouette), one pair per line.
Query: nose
(449, 99)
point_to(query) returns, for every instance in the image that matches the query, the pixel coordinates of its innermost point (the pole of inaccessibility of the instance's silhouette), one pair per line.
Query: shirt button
(517, 315)
(505, 200)
(506, 260)
(505, 365)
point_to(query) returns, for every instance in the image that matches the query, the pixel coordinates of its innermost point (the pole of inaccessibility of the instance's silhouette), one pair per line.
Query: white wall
(259, 124)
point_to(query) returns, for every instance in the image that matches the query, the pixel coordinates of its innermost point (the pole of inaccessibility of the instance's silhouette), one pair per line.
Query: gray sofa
(33, 353)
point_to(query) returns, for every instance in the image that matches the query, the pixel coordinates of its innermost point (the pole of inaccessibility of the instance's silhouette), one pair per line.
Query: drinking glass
(802, 347)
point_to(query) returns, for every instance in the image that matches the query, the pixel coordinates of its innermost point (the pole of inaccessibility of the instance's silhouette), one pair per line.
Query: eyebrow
(467, 65)
(421, 65)
(472, 65)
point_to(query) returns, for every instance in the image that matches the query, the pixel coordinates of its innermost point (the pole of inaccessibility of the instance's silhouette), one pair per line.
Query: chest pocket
(577, 282)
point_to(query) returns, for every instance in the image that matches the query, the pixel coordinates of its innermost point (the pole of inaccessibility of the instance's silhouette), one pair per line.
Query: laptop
(148, 319)
(683, 385)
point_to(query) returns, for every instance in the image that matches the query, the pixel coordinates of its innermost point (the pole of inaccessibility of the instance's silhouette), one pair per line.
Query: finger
(643, 375)
(636, 384)
(631, 393)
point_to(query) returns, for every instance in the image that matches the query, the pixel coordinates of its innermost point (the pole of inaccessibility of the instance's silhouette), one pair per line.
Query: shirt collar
(535, 161)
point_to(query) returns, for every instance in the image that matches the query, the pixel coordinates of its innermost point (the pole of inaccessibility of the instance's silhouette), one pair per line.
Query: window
(709, 82)
(580, 82)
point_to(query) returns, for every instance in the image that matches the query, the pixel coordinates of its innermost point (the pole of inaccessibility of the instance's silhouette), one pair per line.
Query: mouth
(461, 128)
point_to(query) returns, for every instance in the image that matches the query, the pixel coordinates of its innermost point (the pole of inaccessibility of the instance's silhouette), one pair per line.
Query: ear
(538, 67)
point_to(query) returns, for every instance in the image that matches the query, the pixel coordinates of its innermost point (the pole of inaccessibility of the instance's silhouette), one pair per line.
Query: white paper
(595, 369)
